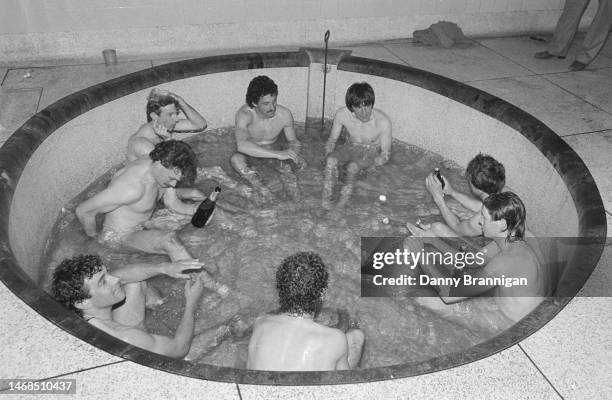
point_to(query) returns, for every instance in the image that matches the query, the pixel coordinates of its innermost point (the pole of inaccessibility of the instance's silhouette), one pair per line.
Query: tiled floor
(568, 358)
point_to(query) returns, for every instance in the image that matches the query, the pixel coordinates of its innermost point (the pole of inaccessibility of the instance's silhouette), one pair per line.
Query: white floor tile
(128, 380)
(563, 112)
(33, 347)
(595, 149)
(463, 64)
(506, 375)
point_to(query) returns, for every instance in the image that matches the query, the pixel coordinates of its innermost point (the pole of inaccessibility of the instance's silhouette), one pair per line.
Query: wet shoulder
(245, 113)
(343, 114)
(381, 117)
(145, 131)
(284, 113)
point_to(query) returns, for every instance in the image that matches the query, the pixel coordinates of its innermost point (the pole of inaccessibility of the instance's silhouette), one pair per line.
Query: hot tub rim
(16, 152)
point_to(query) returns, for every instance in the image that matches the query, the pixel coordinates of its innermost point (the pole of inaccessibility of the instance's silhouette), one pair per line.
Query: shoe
(544, 55)
(577, 66)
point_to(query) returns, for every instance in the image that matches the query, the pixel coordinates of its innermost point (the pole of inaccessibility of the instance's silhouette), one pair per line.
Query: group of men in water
(114, 301)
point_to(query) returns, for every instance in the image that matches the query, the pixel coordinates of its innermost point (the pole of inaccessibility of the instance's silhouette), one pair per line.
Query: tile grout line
(394, 54)
(238, 389)
(4, 77)
(39, 99)
(540, 371)
(585, 133)
(544, 75)
(508, 59)
(575, 95)
(72, 372)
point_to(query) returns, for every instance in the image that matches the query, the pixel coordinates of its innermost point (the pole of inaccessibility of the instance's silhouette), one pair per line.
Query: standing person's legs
(597, 34)
(567, 26)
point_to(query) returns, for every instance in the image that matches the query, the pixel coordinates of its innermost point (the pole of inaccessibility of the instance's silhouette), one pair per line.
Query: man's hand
(434, 187)
(448, 189)
(329, 147)
(177, 269)
(193, 290)
(160, 130)
(422, 232)
(287, 154)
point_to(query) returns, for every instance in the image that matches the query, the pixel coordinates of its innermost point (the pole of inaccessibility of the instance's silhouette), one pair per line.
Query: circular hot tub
(60, 150)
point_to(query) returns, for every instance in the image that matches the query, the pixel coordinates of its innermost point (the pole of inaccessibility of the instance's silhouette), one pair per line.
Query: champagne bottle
(437, 174)
(205, 210)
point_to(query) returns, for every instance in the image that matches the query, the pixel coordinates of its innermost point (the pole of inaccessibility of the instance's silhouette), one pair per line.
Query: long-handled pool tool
(326, 38)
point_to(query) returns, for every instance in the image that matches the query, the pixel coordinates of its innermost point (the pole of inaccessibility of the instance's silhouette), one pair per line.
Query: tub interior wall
(84, 148)
(459, 132)
(87, 146)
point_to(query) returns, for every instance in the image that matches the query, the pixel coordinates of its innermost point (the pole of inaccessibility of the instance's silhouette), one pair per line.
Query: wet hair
(259, 87)
(176, 154)
(156, 101)
(486, 173)
(508, 206)
(301, 280)
(359, 94)
(68, 285)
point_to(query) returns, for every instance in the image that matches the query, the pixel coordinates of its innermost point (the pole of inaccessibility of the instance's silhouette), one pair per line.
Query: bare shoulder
(144, 131)
(284, 113)
(336, 340)
(244, 113)
(342, 115)
(381, 117)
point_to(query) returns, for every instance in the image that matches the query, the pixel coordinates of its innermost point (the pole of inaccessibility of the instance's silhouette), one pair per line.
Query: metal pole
(326, 38)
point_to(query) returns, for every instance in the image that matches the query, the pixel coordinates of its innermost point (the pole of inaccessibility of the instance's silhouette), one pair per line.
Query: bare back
(136, 193)
(520, 261)
(286, 343)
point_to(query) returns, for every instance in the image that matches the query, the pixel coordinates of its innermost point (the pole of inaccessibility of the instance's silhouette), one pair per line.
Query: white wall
(51, 29)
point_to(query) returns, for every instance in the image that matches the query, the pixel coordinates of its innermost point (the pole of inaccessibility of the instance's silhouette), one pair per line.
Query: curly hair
(486, 173)
(156, 101)
(508, 206)
(259, 87)
(68, 285)
(301, 280)
(177, 154)
(359, 94)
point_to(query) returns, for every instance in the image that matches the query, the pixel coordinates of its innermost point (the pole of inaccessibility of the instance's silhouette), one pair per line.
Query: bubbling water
(248, 238)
